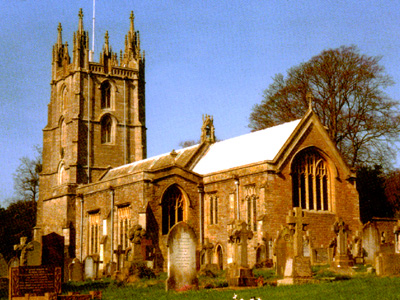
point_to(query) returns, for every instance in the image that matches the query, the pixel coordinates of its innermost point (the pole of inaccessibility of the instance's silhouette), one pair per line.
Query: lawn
(360, 286)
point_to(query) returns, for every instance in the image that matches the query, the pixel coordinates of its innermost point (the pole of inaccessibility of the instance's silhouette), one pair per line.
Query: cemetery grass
(331, 286)
(364, 287)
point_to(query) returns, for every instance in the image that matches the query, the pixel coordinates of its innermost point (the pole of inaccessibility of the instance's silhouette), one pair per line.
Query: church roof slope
(182, 157)
(246, 149)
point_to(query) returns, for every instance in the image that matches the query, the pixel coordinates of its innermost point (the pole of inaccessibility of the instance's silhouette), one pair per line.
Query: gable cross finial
(310, 99)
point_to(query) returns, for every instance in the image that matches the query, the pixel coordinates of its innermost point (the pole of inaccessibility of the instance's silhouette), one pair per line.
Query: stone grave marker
(14, 262)
(181, 243)
(53, 250)
(37, 280)
(298, 267)
(3, 267)
(357, 249)
(239, 273)
(283, 249)
(34, 255)
(75, 270)
(341, 259)
(371, 242)
(90, 268)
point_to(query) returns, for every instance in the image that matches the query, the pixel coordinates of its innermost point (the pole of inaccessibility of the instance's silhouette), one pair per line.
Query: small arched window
(63, 98)
(173, 205)
(310, 181)
(106, 130)
(105, 95)
(63, 134)
(62, 174)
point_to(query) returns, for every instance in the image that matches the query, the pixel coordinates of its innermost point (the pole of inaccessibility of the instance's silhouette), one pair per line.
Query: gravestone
(239, 273)
(387, 264)
(396, 231)
(136, 235)
(90, 268)
(181, 243)
(34, 255)
(3, 267)
(357, 250)
(22, 250)
(283, 249)
(298, 267)
(37, 280)
(341, 259)
(75, 270)
(371, 242)
(53, 250)
(14, 262)
(207, 251)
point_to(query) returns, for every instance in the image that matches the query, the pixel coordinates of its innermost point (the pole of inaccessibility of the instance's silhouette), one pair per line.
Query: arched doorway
(173, 207)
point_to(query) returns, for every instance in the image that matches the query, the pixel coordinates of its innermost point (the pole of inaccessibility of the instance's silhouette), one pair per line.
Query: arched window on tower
(173, 206)
(105, 95)
(310, 181)
(62, 174)
(63, 98)
(106, 130)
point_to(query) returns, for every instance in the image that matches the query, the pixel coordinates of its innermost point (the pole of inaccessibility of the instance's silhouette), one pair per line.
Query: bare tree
(347, 95)
(26, 177)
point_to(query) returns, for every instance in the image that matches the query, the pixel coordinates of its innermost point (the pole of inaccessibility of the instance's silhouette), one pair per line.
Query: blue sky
(202, 57)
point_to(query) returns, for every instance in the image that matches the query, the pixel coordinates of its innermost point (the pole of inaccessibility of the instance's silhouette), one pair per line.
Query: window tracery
(94, 232)
(173, 204)
(310, 180)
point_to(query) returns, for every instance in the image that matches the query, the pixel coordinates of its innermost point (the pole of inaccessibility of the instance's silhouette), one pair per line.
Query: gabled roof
(267, 145)
(180, 157)
(262, 145)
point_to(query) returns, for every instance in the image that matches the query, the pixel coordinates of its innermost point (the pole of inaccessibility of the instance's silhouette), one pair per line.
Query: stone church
(97, 182)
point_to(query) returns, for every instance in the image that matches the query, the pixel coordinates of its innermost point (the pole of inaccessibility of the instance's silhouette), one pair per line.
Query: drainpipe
(81, 237)
(237, 198)
(112, 224)
(201, 212)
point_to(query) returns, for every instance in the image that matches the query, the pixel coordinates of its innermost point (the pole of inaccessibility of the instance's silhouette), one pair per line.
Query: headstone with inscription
(181, 243)
(37, 280)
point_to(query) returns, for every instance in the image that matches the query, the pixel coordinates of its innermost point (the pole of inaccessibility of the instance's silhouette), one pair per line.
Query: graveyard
(38, 271)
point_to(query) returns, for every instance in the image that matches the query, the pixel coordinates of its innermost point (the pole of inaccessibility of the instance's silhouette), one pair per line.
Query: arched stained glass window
(310, 182)
(173, 205)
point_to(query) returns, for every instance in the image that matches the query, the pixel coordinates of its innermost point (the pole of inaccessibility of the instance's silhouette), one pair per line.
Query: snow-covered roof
(246, 149)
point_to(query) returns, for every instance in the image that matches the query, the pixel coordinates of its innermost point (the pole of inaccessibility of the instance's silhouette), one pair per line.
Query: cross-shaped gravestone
(118, 253)
(297, 223)
(23, 248)
(341, 229)
(207, 247)
(238, 235)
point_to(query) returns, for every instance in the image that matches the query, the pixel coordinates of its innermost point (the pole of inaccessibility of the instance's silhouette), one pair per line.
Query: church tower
(96, 120)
